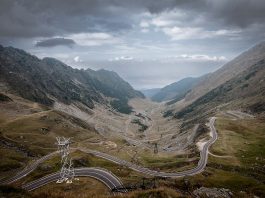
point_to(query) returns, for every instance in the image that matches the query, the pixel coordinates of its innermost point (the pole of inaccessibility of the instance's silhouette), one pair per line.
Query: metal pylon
(67, 171)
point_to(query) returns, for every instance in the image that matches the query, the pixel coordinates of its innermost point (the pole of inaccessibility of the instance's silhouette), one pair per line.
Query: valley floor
(28, 131)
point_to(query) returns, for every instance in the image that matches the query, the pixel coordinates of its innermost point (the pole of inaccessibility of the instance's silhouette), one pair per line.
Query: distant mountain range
(48, 80)
(175, 91)
(149, 93)
(239, 83)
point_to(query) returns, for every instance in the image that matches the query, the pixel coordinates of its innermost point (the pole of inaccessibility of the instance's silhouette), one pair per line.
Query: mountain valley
(41, 99)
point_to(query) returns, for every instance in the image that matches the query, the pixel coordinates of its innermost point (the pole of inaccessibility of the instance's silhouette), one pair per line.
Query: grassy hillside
(245, 91)
(29, 130)
(227, 72)
(242, 145)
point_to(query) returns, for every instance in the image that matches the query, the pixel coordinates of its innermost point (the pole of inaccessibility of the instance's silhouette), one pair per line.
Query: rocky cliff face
(49, 80)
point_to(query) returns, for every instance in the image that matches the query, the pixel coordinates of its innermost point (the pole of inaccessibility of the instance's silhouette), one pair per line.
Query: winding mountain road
(109, 179)
(28, 169)
(104, 176)
(198, 169)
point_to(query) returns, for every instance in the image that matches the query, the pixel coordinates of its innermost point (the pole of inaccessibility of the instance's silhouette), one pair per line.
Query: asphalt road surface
(28, 169)
(104, 176)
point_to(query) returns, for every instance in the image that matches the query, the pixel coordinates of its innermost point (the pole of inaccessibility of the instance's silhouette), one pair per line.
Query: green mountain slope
(227, 72)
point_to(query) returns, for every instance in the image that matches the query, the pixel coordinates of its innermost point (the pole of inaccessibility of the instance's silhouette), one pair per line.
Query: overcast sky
(150, 43)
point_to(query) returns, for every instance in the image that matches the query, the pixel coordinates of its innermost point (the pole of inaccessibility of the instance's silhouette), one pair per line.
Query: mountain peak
(49, 80)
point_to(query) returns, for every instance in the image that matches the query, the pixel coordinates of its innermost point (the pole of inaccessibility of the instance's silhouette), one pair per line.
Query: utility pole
(143, 185)
(156, 148)
(67, 171)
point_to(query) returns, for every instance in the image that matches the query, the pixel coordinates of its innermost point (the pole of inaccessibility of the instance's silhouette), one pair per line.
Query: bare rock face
(48, 81)
(4, 98)
(213, 192)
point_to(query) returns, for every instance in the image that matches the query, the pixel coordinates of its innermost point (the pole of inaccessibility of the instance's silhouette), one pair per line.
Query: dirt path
(219, 156)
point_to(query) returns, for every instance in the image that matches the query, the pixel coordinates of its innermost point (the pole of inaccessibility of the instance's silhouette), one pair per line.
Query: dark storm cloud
(240, 13)
(38, 18)
(55, 42)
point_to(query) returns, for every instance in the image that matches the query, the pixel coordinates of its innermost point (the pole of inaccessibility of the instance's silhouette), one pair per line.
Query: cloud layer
(128, 33)
(52, 42)
(45, 18)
